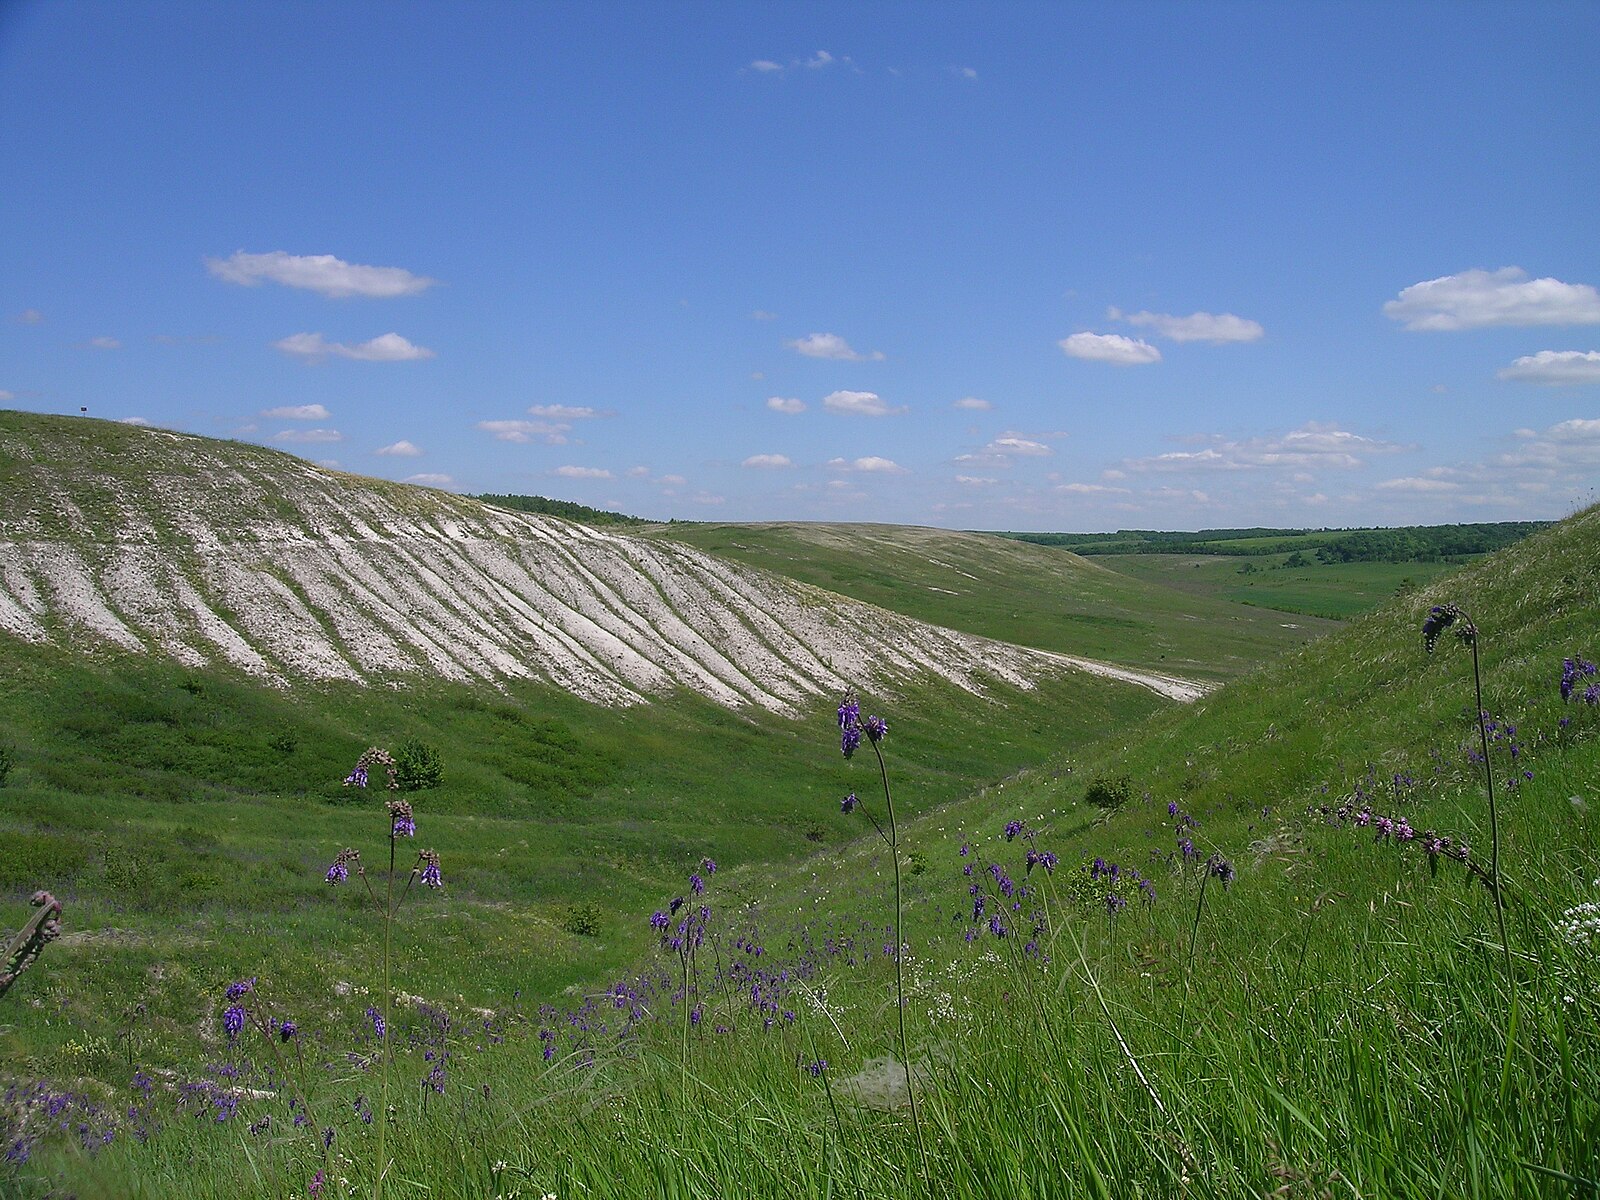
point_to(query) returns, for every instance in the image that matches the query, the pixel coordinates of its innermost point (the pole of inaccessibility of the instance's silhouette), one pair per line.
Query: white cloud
(819, 60)
(975, 480)
(830, 345)
(786, 404)
(1314, 446)
(1477, 299)
(399, 450)
(321, 273)
(769, 461)
(1110, 348)
(972, 404)
(638, 472)
(564, 412)
(870, 464)
(1090, 489)
(29, 316)
(105, 343)
(430, 479)
(965, 72)
(583, 472)
(762, 314)
(1556, 367)
(139, 421)
(672, 481)
(1415, 483)
(1025, 447)
(1197, 327)
(765, 66)
(310, 435)
(5, 395)
(389, 347)
(523, 432)
(298, 412)
(866, 404)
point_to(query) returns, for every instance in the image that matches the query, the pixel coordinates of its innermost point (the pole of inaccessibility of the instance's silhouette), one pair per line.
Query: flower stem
(1494, 816)
(899, 972)
(383, 1046)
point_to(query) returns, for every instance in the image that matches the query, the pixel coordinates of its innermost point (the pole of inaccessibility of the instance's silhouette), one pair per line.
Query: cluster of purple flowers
(1398, 831)
(30, 1111)
(1572, 670)
(1502, 734)
(851, 726)
(1441, 617)
(401, 822)
(373, 756)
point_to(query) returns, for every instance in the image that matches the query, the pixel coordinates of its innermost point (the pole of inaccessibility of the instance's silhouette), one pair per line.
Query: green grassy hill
(1332, 1012)
(1017, 592)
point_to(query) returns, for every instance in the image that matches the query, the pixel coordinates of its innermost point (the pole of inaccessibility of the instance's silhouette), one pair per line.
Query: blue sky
(1024, 266)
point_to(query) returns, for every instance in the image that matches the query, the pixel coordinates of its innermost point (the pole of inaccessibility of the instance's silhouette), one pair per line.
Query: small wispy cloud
(1216, 328)
(104, 343)
(762, 314)
(310, 435)
(767, 461)
(298, 412)
(430, 479)
(1479, 299)
(786, 404)
(5, 395)
(819, 61)
(1556, 368)
(523, 432)
(870, 464)
(964, 72)
(29, 316)
(972, 404)
(1110, 348)
(138, 421)
(321, 273)
(399, 450)
(831, 346)
(389, 347)
(564, 412)
(583, 472)
(865, 404)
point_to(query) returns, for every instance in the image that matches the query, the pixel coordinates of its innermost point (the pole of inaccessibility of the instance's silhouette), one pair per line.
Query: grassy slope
(1334, 591)
(1017, 592)
(1338, 1022)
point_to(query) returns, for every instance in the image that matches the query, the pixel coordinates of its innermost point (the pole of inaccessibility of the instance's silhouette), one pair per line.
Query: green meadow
(1269, 995)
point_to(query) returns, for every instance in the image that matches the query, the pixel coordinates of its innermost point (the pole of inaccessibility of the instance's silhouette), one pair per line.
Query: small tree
(417, 766)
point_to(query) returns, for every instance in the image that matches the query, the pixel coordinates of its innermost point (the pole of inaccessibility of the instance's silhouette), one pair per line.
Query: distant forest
(1409, 543)
(569, 509)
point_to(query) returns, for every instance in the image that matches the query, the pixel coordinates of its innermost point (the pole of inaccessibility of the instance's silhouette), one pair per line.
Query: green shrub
(417, 766)
(1109, 791)
(582, 920)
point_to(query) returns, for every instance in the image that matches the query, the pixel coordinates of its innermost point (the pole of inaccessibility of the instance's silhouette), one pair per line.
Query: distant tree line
(1410, 543)
(569, 509)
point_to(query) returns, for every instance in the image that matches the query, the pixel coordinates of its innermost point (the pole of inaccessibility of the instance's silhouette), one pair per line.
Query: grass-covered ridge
(1338, 1020)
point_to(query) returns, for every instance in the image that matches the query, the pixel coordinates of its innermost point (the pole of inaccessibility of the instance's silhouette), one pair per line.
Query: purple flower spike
(877, 729)
(287, 1030)
(849, 803)
(243, 988)
(430, 869)
(849, 725)
(376, 1018)
(233, 1020)
(697, 885)
(356, 778)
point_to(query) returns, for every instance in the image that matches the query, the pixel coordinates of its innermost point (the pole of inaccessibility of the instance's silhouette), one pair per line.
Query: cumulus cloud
(765, 66)
(768, 461)
(1314, 446)
(866, 404)
(322, 273)
(1539, 463)
(564, 412)
(430, 479)
(1477, 299)
(1556, 367)
(1002, 450)
(298, 412)
(583, 472)
(786, 404)
(672, 481)
(399, 450)
(139, 421)
(389, 347)
(975, 480)
(1090, 489)
(1216, 328)
(1417, 483)
(871, 464)
(831, 345)
(523, 432)
(1110, 348)
(972, 404)
(105, 343)
(310, 435)
(964, 72)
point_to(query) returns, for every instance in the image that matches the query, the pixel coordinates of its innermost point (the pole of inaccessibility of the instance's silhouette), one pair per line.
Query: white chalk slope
(220, 552)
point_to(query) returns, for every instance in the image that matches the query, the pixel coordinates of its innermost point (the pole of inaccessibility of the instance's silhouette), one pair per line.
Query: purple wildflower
(709, 867)
(356, 778)
(659, 920)
(697, 885)
(243, 988)
(376, 1018)
(849, 803)
(1172, 808)
(233, 1020)
(849, 724)
(287, 1030)
(876, 728)
(430, 869)
(400, 815)
(1013, 828)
